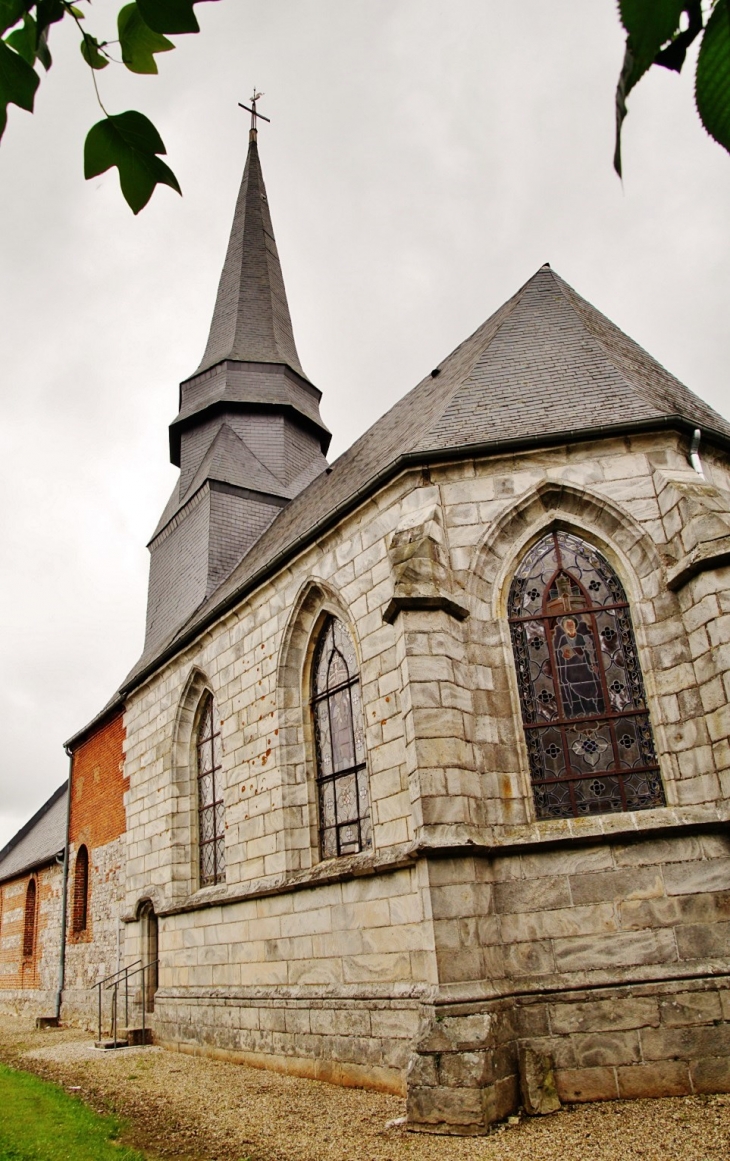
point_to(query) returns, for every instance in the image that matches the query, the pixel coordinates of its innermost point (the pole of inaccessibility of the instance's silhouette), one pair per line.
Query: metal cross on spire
(254, 113)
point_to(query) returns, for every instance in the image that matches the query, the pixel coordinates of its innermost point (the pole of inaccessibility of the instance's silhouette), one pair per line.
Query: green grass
(41, 1122)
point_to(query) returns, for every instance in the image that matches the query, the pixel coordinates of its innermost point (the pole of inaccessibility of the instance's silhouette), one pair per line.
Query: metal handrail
(120, 972)
(113, 983)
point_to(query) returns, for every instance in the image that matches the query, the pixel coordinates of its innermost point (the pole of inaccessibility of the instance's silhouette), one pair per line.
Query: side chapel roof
(39, 840)
(544, 368)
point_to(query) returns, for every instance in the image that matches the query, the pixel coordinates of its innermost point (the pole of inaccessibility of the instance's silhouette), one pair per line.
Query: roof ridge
(685, 401)
(446, 365)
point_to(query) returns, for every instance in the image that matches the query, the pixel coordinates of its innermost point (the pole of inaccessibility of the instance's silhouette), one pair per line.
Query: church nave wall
(30, 924)
(467, 896)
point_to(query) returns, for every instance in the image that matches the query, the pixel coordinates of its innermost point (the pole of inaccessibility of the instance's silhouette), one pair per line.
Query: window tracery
(342, 787)
(211, 809)
(584, 711)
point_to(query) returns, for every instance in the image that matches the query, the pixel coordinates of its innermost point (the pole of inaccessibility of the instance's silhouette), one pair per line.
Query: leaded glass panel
(344, 802)
(589, 740)
(211, 810)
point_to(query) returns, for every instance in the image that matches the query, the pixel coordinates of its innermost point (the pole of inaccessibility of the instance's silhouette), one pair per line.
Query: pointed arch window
(211, 810)
(584, 711)
(80, 914)
(342, 787)
(29, 925)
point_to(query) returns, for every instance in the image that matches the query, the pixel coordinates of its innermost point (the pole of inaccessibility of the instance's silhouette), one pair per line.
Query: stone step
(47, 1022)
(118, 1043)
(138, 1035)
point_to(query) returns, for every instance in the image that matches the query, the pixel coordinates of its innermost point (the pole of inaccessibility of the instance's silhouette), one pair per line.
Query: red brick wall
(97, 819)
(98, 786)
(16, 969)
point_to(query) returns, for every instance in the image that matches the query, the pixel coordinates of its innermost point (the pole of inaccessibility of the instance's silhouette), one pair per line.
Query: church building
(422, 780)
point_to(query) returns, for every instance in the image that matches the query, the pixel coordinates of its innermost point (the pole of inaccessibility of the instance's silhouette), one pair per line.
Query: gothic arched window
(344, 803)
(211, 811)
(29, 924)
(80, 913)
(584, 711)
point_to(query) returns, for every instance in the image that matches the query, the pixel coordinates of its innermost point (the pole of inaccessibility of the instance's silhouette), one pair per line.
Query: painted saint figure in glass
(344, 801)
(586, 721)
(575, 653)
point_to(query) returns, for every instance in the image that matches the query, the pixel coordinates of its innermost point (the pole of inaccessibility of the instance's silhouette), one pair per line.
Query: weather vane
(253, 111)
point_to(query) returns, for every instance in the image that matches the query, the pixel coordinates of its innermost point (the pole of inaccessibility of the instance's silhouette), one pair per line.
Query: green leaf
(673, 55)
(131, 142)
(11, 11)
(90, 52)
(43, 51)
(712, 83)
(24, 40)
(138, 41)
(170, 15)
(649, 24)
(18, 83)
(48, 12)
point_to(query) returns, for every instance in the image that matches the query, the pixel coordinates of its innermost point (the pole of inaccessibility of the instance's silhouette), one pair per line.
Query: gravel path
(189, 1108)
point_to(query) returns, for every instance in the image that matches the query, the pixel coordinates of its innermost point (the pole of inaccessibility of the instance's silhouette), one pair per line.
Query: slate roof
(546, 367)
(251, 320)
(230, 460)
(39, 841)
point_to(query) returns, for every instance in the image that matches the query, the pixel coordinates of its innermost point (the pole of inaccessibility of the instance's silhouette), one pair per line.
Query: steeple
(251, 320)
(248, 436)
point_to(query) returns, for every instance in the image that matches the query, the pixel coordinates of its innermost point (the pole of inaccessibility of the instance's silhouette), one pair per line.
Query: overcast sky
(423, 160)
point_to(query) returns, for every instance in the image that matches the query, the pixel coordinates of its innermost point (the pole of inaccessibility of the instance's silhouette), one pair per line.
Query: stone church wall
(538, 911)
(333, 973)
(28, 984)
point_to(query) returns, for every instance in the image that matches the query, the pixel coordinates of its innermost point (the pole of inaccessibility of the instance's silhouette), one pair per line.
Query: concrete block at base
(138, 1036)
(712, 1074)
(587, 1084)
(537, 1082)
(449, 1111)
(658, 1079)
(47, 1022)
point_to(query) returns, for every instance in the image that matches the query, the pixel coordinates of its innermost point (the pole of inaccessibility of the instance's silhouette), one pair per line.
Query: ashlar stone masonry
(426, 762)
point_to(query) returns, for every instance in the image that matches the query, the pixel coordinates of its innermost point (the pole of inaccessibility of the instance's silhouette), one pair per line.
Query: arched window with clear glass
(211, 809)
(342, 787)
(584, 711)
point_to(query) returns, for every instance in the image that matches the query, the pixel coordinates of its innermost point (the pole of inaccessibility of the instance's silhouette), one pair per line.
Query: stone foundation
(361, 1043)
(645, 1040)
(462, 1075)
(29, 1003)
(661, 1039)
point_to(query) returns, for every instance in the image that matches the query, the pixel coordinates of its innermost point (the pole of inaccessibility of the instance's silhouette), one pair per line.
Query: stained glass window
(589, 737)
(344, 803)
(211, 811)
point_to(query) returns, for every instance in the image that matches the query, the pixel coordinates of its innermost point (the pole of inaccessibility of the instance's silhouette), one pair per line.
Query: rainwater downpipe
(694, 453)
(64, 896)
